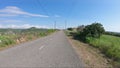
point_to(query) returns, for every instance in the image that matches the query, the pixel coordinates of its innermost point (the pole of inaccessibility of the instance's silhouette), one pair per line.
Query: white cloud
(15, 11)
(113, 28)
(6, 15)
(11, 21)
(22, 26)
(1, 26)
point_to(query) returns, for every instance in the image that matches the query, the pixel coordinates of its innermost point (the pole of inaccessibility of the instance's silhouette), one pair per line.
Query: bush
(70, 29)
(80, 28)
(94, 30)
(6, 41)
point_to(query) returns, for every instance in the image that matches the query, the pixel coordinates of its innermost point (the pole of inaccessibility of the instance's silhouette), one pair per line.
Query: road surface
(51, 51)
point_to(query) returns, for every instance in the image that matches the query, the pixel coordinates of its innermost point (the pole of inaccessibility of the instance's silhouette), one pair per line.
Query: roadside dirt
(90, 55)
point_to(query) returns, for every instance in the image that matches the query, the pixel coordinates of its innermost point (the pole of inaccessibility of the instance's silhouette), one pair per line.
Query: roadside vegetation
(113, 33)
(107, 42)
(15, 36)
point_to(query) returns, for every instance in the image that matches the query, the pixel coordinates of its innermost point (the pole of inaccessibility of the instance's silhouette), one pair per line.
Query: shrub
(80, 28)
(6, 41)
(70, 29)
(94, 30)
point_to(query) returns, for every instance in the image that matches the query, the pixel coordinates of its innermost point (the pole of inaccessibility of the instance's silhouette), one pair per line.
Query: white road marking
(41, 47)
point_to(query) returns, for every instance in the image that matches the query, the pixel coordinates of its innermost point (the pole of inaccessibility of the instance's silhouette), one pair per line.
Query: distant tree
(80, 28)
(32, 28)
(94, 30)
(70, 29)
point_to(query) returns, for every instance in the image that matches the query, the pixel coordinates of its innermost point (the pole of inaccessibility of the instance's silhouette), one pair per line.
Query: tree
(32, 28)
(80, 28)
(94, 30)
(70, 29)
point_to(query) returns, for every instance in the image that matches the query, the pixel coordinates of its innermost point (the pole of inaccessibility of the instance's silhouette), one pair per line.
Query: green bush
(5, 41)
(70, 29)
(43, 34)
(94, 30)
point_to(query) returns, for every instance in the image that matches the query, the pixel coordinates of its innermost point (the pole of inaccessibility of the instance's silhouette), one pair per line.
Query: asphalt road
(51, 51)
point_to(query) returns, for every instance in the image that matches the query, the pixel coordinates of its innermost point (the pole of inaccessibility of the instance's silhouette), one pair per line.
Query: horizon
(47, 13)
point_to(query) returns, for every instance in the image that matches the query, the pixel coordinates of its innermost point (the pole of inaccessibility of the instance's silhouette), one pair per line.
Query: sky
(44, 13)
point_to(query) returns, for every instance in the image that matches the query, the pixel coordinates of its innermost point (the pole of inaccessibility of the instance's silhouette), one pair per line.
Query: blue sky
(43, 13)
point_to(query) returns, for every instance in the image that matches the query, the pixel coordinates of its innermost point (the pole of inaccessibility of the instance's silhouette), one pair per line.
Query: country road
(51, 51)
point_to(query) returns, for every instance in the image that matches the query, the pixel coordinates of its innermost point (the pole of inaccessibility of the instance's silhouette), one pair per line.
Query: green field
(108, 44)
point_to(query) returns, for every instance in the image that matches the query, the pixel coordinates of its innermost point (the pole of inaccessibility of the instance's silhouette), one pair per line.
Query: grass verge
(13, 37)
(91, 56)
(108, 45)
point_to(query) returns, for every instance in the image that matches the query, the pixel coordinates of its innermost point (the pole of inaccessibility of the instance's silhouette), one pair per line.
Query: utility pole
(54, 24)
(65, 24)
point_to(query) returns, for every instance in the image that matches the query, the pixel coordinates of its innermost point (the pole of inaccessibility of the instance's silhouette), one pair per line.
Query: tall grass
(109, 45)
(13, 36)
(5, 41)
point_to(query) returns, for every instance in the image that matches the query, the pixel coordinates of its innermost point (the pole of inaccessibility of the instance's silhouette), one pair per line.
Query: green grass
(10, 36)
(109, 45)
(5, 41)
